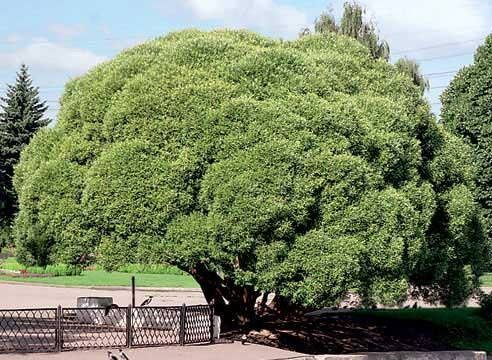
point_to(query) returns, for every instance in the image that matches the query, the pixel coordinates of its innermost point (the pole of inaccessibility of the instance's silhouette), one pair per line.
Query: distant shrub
(11, 263)
(150, 269)
(486, 305)
(63, 270)
(54, 270)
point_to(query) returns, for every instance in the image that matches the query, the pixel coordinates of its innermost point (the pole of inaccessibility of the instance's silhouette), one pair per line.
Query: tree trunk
(263, 303)
(235, 304)
(281, 306)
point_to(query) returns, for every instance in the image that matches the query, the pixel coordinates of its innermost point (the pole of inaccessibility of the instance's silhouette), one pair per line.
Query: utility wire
(438, 46)
(443, 57)
(438, 87)
(441, 73)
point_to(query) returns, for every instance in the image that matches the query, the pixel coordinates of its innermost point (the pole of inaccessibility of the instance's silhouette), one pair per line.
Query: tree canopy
(304, 168)
(467, 112)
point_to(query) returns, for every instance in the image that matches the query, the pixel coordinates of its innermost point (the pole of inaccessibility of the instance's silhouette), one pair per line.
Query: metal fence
(59, 329)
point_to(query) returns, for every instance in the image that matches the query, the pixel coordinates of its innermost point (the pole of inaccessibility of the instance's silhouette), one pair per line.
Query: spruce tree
(21, 115)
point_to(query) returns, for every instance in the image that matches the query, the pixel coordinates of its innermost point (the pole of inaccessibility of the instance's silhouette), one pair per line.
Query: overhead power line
(441, 73)
(438, 87)
(443, 57)
(437, 46)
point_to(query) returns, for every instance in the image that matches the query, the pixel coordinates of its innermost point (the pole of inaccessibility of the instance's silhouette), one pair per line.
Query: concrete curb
(400, 355)
(110, 288)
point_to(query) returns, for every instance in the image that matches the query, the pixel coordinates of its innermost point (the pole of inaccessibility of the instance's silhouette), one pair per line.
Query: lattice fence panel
(155, 326)
(197, 324)
(88, 328)
(28, 330)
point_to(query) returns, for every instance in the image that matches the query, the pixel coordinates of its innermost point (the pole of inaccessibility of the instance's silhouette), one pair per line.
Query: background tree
(412, 69)
(467, 112)
(326, 23)
(301, 168)
(353, 24)
(21, 115)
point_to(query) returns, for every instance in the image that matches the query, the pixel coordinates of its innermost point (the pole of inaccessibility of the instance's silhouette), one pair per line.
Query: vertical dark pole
(129, 326)
(212, 321)
(133, 291)
(58, 331)
(182, 324)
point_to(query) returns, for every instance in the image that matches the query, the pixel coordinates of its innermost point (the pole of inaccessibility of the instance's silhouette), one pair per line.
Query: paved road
(234, 351)
(22, 295)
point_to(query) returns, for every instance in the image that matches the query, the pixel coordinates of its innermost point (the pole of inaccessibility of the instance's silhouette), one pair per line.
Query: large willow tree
(303, 168)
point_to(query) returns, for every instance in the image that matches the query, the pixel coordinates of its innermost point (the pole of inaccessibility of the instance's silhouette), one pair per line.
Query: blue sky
(60, 39)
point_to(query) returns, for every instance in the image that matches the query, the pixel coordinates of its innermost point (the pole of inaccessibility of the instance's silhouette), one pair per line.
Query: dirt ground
(234, 351)
(20, 295)
(343, 334)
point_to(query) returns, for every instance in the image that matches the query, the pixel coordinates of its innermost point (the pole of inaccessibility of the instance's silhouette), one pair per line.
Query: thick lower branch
(235, 304)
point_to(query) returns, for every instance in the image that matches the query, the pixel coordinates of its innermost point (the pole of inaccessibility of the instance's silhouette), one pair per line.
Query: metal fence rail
(58, 329)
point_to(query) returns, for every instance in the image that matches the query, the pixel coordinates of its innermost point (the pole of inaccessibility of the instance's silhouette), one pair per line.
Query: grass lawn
(462, 328)
(103, 278)
(162, 276)
(486, 279)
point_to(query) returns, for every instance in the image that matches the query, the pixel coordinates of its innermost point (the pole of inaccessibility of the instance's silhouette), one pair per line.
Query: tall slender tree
(412, 69)
(353, 24)
(21, 115)
(326, 23)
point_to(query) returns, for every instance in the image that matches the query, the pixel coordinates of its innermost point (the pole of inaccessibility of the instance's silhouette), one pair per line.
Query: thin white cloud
(13, 38)
(66, 31)
(263, 15)
(51, 56)
(420, 23)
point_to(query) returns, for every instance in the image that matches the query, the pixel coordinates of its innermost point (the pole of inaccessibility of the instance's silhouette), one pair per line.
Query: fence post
(129, 327)
(182, 324)
(58, 331)
(212, 319)
(133, 291)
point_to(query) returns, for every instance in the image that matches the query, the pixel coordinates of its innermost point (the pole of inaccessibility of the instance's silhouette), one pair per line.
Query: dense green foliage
(486, 305)
(304, 168)
(467, 112)
(21, 115)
